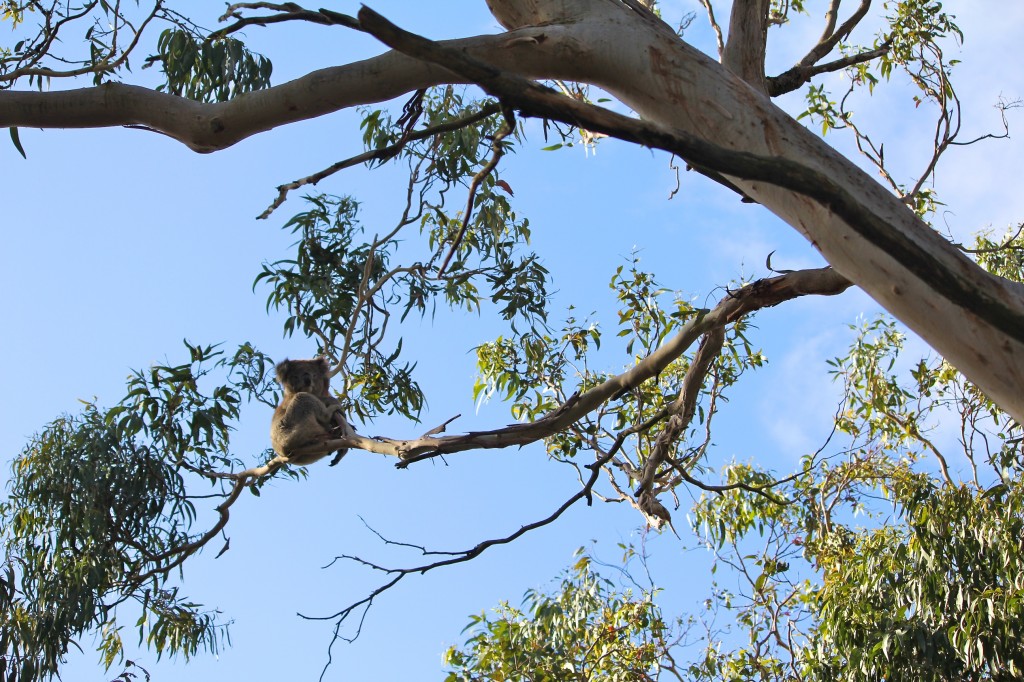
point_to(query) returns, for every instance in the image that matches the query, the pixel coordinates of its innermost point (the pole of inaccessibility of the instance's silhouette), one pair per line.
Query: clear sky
(119, 243)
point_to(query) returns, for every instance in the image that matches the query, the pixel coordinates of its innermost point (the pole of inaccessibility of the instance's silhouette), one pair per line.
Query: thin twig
(719, 40)
(382, 154)
(498, 151)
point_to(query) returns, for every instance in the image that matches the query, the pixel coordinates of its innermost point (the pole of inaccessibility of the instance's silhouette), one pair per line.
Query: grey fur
(308, 414)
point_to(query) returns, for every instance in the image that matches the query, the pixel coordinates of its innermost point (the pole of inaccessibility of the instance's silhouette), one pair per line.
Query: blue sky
(120, 243)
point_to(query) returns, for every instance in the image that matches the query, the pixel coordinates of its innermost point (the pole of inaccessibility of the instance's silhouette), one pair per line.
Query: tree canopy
(886, 545)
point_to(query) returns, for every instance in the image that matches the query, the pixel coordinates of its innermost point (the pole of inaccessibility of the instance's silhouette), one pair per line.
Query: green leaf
(16, 139)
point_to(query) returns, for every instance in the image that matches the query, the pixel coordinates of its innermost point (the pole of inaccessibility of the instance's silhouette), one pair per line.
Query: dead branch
(288, 11)
(457, 557)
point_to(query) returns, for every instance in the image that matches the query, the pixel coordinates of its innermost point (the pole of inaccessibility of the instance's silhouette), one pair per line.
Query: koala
(308, 413)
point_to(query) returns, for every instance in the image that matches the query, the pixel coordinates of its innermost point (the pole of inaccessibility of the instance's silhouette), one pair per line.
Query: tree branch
(177, 555)
(761, 294)
(715, 27)
(210, 127)
(683, 409)
(748, 41)
(285, 12)
(382, 154)
(795, 77)
(458, 557)
(497, 151)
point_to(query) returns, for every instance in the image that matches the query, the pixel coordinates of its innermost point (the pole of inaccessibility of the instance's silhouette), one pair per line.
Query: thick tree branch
(210, 127)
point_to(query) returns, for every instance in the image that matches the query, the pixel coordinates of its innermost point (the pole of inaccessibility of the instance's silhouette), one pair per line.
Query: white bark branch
(747, 42)
(215, 126)
(980, 331)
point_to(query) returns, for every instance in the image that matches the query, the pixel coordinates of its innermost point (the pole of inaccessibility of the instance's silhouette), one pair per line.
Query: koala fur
(308, 413)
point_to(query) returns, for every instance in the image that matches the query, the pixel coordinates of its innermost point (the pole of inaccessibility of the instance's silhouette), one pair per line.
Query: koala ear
(282, 368)
(323, 364)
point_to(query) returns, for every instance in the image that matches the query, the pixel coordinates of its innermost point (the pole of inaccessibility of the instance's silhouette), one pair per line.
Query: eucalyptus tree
(101, 508)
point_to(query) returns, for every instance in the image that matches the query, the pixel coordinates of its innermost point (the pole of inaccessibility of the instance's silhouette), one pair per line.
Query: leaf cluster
(585, 630)
(99, 512)
(940, 597)
(208, 69)
(90, 513)
(342, 288)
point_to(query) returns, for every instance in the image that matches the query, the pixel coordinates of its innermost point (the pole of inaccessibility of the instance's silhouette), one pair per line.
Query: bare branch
(381, 155)
(458, 557)
(795, 77)
(288, 11)
(830, 39)
(763, 490)
(831, 17)
(1003, 106)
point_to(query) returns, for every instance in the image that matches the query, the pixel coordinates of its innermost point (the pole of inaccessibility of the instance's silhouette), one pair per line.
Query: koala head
(303, 376)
